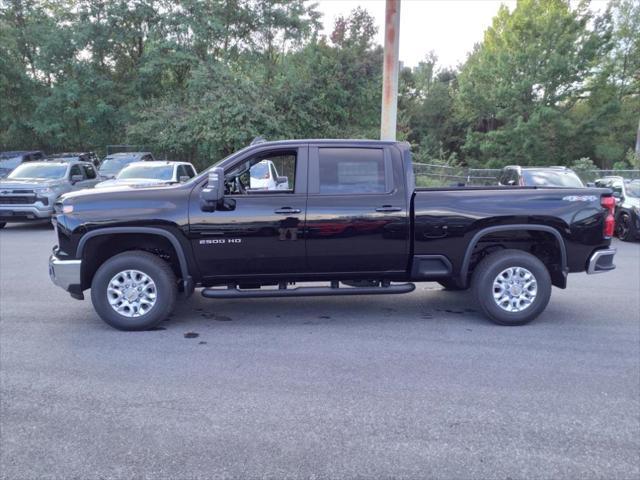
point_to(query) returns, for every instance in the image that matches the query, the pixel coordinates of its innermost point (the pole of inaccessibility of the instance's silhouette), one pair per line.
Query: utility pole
(388, 117)
(638, 142)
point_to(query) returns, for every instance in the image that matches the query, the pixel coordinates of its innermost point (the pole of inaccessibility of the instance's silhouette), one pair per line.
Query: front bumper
(65, 273)
(601, 261)
(21, 213)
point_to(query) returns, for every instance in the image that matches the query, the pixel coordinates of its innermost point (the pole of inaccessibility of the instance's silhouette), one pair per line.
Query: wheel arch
(178, 248)
(559, 281)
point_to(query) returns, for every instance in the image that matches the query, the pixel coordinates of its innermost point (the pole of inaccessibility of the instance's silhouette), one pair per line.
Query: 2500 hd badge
(218, 241)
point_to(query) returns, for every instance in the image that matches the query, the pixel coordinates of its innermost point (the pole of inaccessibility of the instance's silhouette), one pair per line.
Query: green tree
(517, 86)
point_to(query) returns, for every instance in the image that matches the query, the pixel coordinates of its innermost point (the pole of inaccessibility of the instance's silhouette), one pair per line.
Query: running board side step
(307, 291)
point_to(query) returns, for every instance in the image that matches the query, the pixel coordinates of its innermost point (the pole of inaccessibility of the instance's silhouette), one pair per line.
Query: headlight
(44, 191)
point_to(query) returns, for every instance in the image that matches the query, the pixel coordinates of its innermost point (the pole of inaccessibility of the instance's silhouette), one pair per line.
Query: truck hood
(133, 182)
(28, 184)
(119, 191)
(122, 204)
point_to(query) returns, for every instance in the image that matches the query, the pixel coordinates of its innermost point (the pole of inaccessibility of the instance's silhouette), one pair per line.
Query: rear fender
(564, 269)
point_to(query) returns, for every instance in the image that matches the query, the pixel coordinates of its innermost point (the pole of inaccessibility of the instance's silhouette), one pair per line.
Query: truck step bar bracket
(308, 291)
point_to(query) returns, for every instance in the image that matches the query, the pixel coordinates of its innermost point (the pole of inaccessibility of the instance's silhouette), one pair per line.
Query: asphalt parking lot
(410, 386)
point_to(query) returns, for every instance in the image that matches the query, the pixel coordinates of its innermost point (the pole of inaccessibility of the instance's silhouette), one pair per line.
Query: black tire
(3, 224)
(624, 228)
(487, 272)
(452, 284)
(155, 268)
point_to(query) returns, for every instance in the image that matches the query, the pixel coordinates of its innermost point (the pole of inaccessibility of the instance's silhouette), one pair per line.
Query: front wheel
(134, 290)
(512, 287)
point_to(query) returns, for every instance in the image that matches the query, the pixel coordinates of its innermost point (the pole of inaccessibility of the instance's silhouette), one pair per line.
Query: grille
(17, 200)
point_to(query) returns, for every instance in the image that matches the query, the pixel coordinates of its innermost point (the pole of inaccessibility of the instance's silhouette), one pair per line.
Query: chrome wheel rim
(515, 289)
(131, 293)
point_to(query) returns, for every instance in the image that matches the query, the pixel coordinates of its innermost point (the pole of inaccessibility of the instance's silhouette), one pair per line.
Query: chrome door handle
(388, 208)
(287, 210)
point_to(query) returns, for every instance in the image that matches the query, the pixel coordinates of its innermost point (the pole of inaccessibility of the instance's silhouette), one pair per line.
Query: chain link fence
(434, 175)
(592, 175)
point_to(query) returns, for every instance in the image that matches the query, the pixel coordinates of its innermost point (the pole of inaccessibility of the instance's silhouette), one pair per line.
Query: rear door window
(352, 170)
(89, 171)
(75, 170)
(185, 171)
(509, 177)
(617, 189)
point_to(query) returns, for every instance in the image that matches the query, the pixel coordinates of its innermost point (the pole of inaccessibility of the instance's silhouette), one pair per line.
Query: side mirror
(212, 194)
(184, 178)
(591, 184)
(76, 178)
(282, 183)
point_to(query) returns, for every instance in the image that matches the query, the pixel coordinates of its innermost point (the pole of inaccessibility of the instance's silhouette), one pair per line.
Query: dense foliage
(550, 83)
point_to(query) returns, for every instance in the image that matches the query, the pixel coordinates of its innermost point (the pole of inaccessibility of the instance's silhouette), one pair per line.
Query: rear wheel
(624, 228)
(134, 291)
(512, 287)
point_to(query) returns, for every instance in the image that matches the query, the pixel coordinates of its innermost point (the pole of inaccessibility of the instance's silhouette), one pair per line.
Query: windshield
(114, 165)
(156, 172)
(552, 178)
(259, 171)
(39, 170)
(633, 189)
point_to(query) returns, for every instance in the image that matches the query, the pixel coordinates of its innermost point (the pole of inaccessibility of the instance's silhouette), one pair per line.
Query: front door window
(270, 172)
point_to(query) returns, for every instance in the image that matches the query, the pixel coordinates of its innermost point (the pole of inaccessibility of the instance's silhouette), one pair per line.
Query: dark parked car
(10, 160)
(351, 217)
(515, 175)
(76, 156)
(627, 193)
(113, 163)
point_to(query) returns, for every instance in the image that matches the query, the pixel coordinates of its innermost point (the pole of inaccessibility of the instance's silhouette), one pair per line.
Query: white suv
(264, 176)
(151, 173)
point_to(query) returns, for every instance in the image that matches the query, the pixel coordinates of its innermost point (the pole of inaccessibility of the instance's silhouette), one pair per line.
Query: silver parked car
(156, 172)
(29, 191)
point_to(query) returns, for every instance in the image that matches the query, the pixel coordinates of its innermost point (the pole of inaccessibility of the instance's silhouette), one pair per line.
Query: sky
(448, 27)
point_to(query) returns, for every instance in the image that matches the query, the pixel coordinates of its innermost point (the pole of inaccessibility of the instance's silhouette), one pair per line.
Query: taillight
(610, 221)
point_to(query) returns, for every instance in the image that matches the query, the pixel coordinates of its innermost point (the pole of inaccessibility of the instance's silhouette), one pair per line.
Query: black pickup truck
(343, 212)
